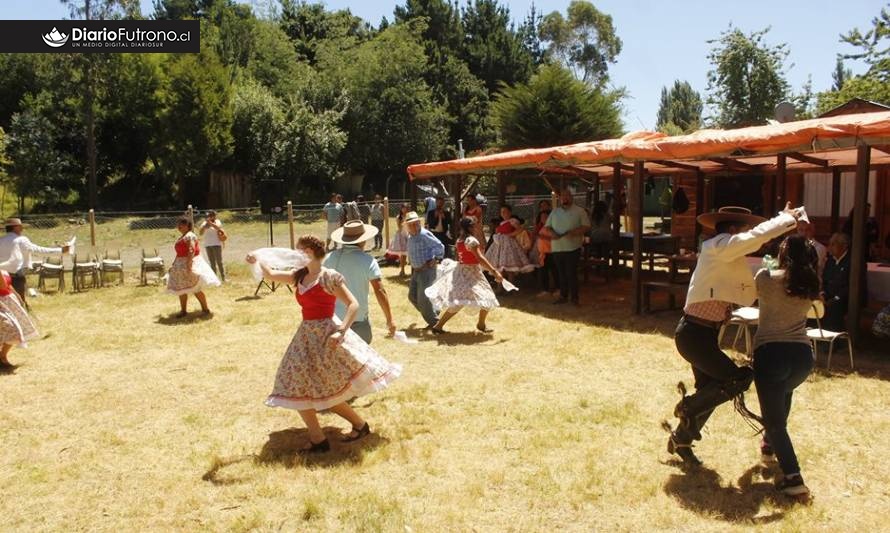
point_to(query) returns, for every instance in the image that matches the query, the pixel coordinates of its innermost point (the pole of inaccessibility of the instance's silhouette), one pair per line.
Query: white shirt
(211, 236)
(15, 262)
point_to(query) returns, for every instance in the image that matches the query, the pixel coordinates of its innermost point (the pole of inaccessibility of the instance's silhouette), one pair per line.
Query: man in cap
(15, 252)
(721, 278)
(424, 251)
(359, 269)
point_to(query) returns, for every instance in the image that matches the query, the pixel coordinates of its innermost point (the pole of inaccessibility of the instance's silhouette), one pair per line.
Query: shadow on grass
(173, 319)
(8, 370)
(250, 298)
(700, 489)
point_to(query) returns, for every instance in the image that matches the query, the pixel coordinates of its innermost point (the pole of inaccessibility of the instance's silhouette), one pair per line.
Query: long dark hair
(317, 248)
(799, 259)
(401, 216)
(466, 227)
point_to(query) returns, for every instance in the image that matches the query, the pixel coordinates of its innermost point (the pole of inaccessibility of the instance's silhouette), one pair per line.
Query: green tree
(747, 79)
(874, 46)
(840, 75)
(19, 75)
(680, 109)
(584, 41)
(310, 25)
(36, 165)
(443, 33)
(555, 108)
(492, 47)
(864, 87)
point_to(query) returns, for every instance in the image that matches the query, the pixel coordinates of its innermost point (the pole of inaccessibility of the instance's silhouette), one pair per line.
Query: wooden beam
(835, 199)
(637, 199)
(470, 187)
(859, 250)
(781, 183)
(622, 166)
(884, 149)
(616, 214)
(584, 171)
(456, 214)
(797, 156)
(734, 164)
(674, 164)
(549, 184)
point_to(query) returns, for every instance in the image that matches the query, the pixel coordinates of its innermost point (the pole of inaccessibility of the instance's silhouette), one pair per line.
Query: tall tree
(311, 25)
(874, 46)
(840, 75)
(584, 41)
(680, 108)
(555, 108)
(530, 33)
(747, 78)
(443, 33)
(492, 47)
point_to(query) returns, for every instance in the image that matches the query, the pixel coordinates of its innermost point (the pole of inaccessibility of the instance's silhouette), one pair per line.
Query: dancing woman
(16, 326)
(465, 285)
(326, 363)
(399, 244)
(783, 357)
(189, 273)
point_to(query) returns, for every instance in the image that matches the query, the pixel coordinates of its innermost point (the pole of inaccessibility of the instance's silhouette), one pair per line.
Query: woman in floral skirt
(326, 364)
(189, 273)
(16, 326)
(505, 252)
(399, 243)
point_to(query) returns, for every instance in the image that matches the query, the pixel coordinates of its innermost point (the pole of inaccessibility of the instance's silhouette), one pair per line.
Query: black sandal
(317, 447)
(359, 433)
(484, 329)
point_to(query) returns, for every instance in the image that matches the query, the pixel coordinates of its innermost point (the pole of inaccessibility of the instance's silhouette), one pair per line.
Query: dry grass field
(122, 418)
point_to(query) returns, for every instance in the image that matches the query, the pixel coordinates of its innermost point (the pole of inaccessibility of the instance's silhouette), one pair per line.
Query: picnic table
(654, 246)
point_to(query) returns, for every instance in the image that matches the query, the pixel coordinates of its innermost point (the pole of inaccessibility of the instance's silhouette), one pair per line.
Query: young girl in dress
(505, 253)
(399, 244)
(16, 326)
(326, 364)
(189, 273)
(465, 285)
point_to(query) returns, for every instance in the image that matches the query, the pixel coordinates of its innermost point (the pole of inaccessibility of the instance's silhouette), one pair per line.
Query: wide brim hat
(13, 222)
(741, 215)
(412, 216)
(353, 232)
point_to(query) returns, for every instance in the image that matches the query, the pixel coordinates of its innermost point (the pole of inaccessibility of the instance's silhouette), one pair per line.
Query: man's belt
(702, 322)
(429, 264)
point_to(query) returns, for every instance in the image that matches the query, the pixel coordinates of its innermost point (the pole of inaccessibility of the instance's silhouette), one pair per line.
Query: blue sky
(663, 40)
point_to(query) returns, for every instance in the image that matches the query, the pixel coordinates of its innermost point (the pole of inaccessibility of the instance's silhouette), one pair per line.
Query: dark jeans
(20, 284)
(835, 315)
(546, 271)
(420, 280)
(214, 257)
(446, 242)
(779, 367)
(378, 239)
(567, 270)
(717, 378)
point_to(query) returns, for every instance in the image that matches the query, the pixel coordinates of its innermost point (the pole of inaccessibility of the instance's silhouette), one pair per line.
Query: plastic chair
(51, 269)
(151, 263)
(111, 264)
(744, 318)
(83, 270)
(817, 335)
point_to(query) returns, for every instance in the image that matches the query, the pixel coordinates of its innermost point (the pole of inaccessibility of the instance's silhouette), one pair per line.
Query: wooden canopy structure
(856, 142)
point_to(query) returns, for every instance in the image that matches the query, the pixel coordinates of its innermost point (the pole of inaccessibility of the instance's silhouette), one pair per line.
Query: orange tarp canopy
(820, 134)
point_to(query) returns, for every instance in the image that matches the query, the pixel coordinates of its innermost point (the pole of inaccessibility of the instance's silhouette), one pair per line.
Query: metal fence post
(386, 222)
(92, 218)
(290, 223)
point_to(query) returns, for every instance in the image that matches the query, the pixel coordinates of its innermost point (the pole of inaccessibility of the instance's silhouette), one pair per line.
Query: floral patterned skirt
(16, 326)
(181, 280)
(314, 374)
(505, 254)
(399, 244)
(459, 285)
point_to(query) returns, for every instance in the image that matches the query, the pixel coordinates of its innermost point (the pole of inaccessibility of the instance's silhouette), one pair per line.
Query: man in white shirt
(15, 252)
(210, 229)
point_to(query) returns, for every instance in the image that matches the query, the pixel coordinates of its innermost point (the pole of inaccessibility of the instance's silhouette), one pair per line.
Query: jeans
(20, 284)
(363, 330)
(420, 280)
(378, 239)
(214, 257)
(779, 367)
(567, 271)
(717, 378)
(547, 270)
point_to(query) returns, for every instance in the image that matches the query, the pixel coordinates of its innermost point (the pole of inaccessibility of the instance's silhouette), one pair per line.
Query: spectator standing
(566, 226)
(836, 283)
(377, 219)
(601, 230)
(16, 249)
(214, 236)
(439, 223)
(333, 213)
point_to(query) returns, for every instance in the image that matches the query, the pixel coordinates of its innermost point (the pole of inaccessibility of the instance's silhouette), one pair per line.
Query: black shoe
(437, 331)
(484, 329)
(359, 433)
(317, 447)
(683, 450)
(792, 486)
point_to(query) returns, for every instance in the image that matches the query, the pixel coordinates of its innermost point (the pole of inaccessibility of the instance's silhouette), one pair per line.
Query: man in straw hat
(359, 269)
(17, 264)
(424, 251)
(721, 278)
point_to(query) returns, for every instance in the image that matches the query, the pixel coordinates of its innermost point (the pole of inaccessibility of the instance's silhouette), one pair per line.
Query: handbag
(222, 235)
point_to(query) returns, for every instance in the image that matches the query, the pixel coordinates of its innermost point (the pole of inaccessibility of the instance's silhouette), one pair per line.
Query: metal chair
(111, 264)
(817, 334)
(51, 268)
(83, 270)
(151, 263)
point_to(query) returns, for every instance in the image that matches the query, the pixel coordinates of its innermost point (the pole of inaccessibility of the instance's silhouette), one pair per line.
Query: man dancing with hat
(359, 269)
(721, 278)
(424, 251)
(19, 263)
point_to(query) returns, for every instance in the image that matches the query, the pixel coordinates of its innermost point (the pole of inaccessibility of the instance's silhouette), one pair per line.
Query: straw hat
(353, 232)
(729, 214)
(412, 216)
(13, 222)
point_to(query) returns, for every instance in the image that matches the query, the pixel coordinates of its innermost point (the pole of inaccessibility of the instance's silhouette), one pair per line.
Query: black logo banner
(86, 36)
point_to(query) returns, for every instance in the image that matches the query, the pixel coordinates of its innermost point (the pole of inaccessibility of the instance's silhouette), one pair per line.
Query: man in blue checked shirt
(424, 249)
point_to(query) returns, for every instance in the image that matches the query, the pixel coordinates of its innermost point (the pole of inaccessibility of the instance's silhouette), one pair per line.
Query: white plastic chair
(817, 335)
(744, 318)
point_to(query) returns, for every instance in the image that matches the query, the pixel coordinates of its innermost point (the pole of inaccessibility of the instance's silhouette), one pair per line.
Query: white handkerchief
(402, 337)
(509, 286)
(70, 244)
(803, 214)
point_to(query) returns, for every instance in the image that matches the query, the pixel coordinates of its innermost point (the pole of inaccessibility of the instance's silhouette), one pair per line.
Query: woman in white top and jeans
(783, 357)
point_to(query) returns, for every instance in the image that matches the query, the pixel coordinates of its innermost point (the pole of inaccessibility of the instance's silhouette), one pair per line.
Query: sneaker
(792, 486)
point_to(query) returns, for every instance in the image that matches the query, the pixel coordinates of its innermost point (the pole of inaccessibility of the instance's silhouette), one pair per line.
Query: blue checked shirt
(423, 247)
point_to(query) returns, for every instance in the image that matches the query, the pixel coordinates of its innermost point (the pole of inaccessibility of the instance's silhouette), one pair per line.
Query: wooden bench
(672, 289)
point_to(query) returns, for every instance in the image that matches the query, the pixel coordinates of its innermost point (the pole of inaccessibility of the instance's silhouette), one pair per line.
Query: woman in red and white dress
(465, 284)
(474, 211)
(326, 364)
(189, 273)
(399, 244)
(505, 252)
(16, 326)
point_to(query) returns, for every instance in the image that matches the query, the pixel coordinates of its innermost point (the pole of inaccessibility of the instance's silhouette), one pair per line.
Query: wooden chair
(817, 335)
(111, 264)
(151, 263)
(51, 269)
(85, 268)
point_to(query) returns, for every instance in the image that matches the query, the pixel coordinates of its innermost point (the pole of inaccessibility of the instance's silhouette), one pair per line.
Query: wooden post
(190, 213)
(457, 193)
(858, 251)
(781, 184)
(92, 228)
(835, 199)
(290, 224)
(597, 190)
(412, 194)
(637, 201)
(616, 214)
(386, 222)
(699, 203)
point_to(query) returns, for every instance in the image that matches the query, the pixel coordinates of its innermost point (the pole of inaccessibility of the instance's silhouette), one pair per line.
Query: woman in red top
(505, 252)
(16, 326)
(189, 273)
(465, 285)
(474, 211)
(326, 364)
